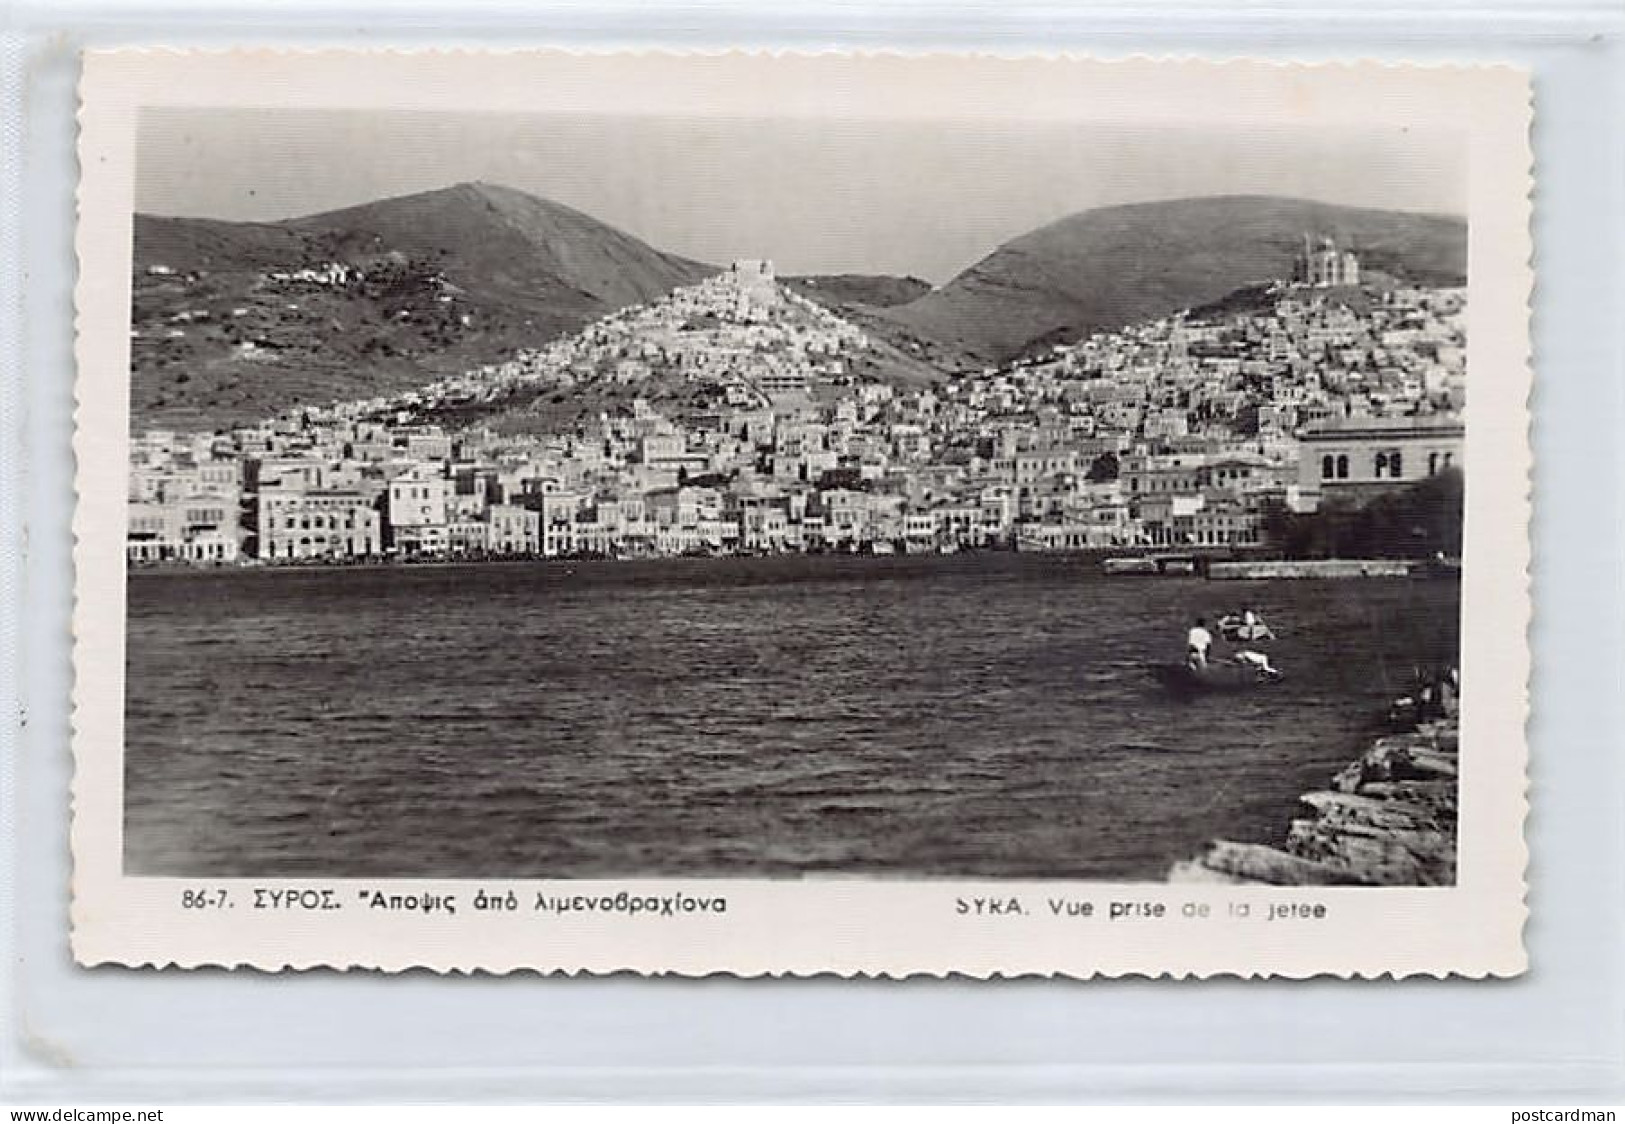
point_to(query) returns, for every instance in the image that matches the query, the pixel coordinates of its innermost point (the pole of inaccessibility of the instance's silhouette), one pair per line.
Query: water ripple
(977, 715)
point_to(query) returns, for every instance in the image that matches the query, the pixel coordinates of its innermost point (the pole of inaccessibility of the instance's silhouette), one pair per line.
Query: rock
(1397, 757)
(1445, 733)
(1437, 795)
(1362, 811)
(1377, 857)
(1424, 761)
(1254, 862)
(1388, 819)
(1192, 871)
(1351, 778)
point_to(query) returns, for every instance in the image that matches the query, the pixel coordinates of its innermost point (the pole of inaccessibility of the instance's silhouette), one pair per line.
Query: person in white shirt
(1197, 642)
(1259, 662)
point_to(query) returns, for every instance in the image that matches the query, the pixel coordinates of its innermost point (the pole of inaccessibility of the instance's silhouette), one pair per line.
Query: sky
(924, 198)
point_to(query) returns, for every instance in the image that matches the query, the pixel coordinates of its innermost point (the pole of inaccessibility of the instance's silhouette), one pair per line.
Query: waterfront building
(1204, 417)
(416, 499)
(556, 511)
(467, 536)
(295, 524)
(513, 530)
(218, 545)
(764, 524)
(1062, 536)
(194, 527)
(1358, 457)
(153, 532)
(920, 531)
(1226, 523)
(420, 540)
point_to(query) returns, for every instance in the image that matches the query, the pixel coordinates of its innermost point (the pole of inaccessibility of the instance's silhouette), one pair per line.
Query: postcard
(765, 514)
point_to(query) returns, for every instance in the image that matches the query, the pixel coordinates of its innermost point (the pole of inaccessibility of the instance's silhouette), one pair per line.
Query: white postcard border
(844, 926)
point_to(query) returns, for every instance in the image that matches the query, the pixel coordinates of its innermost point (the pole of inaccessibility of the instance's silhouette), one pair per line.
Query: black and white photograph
(563, 496)
(986, 501)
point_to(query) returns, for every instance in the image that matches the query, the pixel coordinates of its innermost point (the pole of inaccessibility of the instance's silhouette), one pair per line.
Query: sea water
(974, 715)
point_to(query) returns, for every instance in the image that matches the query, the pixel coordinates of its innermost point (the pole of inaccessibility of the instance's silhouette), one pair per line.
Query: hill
(866, 300)
(507, 245)
(1104, 268)
(736, 339)
(236, 321)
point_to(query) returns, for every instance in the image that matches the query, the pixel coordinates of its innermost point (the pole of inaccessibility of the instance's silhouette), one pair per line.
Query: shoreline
(1388, 818)
(1336, 569)
(173, 569)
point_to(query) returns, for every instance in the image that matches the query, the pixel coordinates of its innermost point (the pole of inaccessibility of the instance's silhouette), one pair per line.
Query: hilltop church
(1323, 266)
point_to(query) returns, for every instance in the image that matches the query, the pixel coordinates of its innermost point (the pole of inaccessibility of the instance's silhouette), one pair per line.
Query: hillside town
(736, 417)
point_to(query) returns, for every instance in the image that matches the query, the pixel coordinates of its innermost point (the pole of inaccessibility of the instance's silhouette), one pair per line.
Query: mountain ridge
(237, 320)
(234, 321)
(1108, 266)
(558, 243)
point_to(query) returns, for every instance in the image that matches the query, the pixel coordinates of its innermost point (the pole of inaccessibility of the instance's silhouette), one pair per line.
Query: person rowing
(1246, 625)
(1197, 642)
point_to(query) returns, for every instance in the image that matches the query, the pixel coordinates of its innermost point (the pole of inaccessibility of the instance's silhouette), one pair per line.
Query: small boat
(1235, 630)
(1183, 679)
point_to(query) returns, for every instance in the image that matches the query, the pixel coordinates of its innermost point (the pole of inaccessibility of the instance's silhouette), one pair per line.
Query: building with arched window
(1334, 466)
(1360, 456)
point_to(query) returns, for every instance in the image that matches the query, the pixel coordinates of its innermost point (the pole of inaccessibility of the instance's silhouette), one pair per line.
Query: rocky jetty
(1388, 819)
